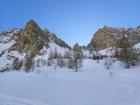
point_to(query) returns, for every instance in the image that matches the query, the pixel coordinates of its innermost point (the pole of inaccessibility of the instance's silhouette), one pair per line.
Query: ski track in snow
(10, 100)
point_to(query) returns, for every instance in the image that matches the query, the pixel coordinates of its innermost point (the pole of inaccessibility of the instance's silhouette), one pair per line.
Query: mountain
(20, 48)
(31, 39)
(30, 46)
(107, 37)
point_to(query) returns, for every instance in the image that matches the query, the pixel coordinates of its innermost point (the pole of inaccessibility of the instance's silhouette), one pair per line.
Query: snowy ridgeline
(51, 54)
(92, 85)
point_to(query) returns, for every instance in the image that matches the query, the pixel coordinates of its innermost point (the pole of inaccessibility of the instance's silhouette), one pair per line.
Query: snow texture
(92, 85)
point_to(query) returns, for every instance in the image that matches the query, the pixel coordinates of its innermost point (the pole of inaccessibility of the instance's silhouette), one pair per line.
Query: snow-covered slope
(107, 51)
(137, 45)
(7, 57)
(7, 36)
(7, 39)
(45, 52)
(92, 85)
(17, 47)
(10, 100)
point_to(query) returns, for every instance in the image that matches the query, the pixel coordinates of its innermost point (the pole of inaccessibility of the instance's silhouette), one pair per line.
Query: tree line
(71, 59)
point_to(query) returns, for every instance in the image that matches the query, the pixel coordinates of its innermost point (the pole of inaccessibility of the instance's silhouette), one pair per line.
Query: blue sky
(72, 20)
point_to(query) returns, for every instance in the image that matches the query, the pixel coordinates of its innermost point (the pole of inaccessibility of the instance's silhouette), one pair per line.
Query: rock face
(21, 48)
(108, 37)
(30, 39)
(134, 35)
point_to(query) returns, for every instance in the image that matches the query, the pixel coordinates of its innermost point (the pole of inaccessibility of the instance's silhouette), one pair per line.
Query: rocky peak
(30, 39)
(32, 26)
(23, 46)
(108, 37)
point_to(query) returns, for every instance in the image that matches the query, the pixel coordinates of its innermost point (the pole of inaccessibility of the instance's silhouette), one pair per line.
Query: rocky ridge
(107, 37)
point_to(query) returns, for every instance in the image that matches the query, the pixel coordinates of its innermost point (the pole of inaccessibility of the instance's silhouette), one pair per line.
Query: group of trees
(71, 59)
(56, 59)
(27, 63)
(125, 53)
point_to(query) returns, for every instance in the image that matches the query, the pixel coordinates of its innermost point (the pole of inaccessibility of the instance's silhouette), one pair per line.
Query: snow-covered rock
(29, 43)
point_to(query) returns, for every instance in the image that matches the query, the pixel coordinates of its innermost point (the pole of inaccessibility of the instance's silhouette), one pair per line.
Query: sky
(74, 21)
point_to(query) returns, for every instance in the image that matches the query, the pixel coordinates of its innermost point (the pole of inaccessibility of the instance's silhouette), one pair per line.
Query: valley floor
(91, 85)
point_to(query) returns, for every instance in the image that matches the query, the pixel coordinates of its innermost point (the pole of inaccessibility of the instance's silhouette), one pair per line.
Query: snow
(9, 35)
(45, 52)
(107, 51)
(10, 100)
(87, 53)
(3, 59)
(59, 49)
(137, 45)
(7, 39)
(4, 46)
(92, 85)
(21, 56)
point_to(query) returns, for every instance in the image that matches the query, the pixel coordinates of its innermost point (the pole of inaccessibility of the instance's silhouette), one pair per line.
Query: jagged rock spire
(30, 40)
(31, 26)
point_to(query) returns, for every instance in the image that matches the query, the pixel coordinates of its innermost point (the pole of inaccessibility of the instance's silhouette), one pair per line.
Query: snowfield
(7, 100)
(137, 45)
(92, 85)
